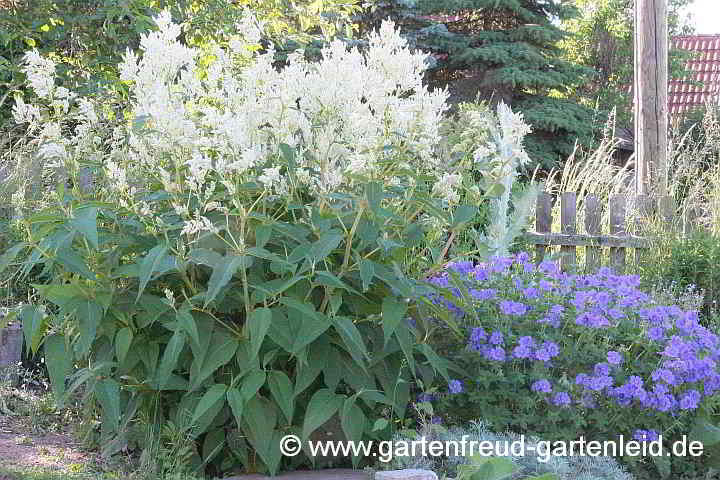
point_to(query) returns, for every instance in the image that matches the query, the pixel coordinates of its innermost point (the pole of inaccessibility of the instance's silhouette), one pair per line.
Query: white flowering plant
(242, 253)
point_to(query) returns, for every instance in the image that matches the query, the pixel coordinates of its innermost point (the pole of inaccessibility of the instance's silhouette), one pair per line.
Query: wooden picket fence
(623, 215)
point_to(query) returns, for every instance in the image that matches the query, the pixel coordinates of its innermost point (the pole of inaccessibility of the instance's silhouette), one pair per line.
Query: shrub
(689, 261)
(235, 270)
(563, 355)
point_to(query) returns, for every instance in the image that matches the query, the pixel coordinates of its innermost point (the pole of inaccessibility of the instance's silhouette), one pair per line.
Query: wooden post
(593, 255)
(650, 91)
(643, 211)
(568, 215)
(543, 221)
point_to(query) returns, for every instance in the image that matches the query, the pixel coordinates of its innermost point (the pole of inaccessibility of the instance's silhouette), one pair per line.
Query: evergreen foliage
(504, 50)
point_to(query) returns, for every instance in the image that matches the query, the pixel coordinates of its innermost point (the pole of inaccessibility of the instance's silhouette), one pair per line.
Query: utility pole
(650, 90)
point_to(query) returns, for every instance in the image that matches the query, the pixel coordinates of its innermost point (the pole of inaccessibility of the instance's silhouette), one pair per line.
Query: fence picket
(568, 216)
(592, 227)
(617, 227)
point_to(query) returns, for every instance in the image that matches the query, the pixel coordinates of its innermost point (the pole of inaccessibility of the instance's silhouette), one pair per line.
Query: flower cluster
(583, 341)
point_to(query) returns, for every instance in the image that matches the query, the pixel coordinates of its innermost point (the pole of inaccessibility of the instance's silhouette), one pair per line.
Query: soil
(25, 451)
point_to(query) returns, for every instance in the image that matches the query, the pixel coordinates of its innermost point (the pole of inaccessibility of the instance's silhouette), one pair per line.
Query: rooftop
(683, 94)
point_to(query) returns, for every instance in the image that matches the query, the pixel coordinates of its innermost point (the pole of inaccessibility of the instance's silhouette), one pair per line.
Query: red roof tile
(705, 65)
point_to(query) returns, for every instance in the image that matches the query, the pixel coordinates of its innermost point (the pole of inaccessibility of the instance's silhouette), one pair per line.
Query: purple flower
(508, 307)
(656, 333)
(665, 375)
(436, 420)
(614, 358)
(455, 386)
(645, 435)
(690, 400)
(496, 354)
(521, 351)
(426, 398)
(602, 369)
(541, 386)
(463, 268)
(483, 294)
(496, 338)
(561, 399)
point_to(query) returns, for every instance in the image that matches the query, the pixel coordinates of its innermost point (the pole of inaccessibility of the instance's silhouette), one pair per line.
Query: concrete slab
(406, 474)
(330, 474)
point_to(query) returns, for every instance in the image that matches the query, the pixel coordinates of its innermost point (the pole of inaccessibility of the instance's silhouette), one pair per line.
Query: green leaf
(221, 350)
(393, 312)
(88, 314)
(259, 322)
(9, 256)
(437, 363)
(463, 214)
(352, 338)
(704, 431)
(107, 392)
(237, 403)
(367, 272)
(324, 246)
(85, 222)
(380, 424)
(150, 264)
(323, 277)
(58, 360)
(221, 275)
(282, 391)
(74, 263)
(352, 420)
(215, 394)
(374, 194)
(407, 341)
(261, 418)
(34, 326)
(213, 444)
(203, 256)
(262, 235)
(170, 358)
(252, 383)
(323, 405)
(489, 468)
(187, 323)
(123, 340)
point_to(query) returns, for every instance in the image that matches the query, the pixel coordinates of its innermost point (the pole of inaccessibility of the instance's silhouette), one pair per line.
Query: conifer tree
(503, 50)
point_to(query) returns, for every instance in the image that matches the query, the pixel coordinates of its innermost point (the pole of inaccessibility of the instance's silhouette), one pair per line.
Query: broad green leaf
(324, 246)
(306, 374)
(107, 392)
(60, 295)
(85, 222)
(187, 323)
(58, 360)
(352, 339)
(490, 468)
(88, 314)
(74, 263)
(170, 358)
(221, 275)
(380, 424)
(222, 348)
(260, 418)
(367, 272)
(407, 344)
(204, 256)
(34, 326)
(123, 340)
(352, 420)
(282, 391)
(252, 383)
(437, 363)
(312, 323)
(323, 277)
(150, 264)
(323, 405)
(215, 394)
(463, 214)
(213, 444)
(9, 256)
(275, 287)
(262, 235)
(373, 194)
(237, 403)
(259, 323)
(393, 312)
